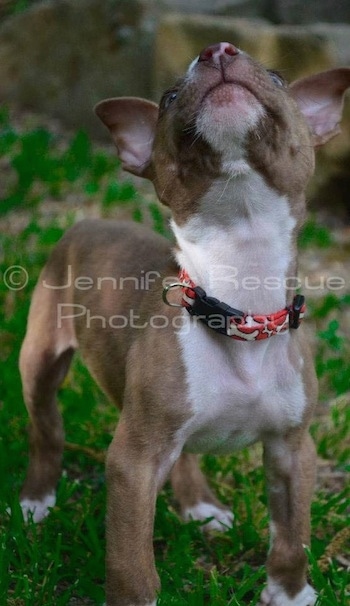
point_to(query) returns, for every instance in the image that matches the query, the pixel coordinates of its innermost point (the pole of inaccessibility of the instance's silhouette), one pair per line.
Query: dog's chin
(228, 109)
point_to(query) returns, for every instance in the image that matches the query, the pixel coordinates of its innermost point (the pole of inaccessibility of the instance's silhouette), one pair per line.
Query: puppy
(217, 363)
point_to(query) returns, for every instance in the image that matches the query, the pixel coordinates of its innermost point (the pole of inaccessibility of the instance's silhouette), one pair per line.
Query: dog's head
(225, 117)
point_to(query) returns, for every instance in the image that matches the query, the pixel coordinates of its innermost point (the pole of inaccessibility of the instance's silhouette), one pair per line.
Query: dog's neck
(241, 248)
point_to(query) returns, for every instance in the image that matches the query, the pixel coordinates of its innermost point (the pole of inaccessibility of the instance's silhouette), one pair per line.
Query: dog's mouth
(231, 106)
(229, 92)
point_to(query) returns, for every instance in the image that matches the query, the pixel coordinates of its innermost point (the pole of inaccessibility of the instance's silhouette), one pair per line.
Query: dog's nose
(217, 53)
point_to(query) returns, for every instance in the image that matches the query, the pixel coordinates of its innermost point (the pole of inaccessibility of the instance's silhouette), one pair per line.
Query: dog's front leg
(290, 470)
(132, 485)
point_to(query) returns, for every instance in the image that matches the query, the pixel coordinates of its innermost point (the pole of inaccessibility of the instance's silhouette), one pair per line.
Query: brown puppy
(230, 151)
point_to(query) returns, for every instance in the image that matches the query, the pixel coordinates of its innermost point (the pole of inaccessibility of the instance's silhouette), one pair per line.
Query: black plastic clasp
(295, 310)
(213, 312)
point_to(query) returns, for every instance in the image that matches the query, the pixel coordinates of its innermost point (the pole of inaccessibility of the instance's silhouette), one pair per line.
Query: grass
(61, 561)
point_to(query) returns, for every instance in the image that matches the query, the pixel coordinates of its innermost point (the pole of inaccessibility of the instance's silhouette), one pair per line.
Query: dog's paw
(221, 518)
(274, 595)
(36, 509)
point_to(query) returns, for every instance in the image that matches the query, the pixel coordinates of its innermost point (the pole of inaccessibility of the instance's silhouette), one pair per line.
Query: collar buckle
(207, 308)
(296, 310)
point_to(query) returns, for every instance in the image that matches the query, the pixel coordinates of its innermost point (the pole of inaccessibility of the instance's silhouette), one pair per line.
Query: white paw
(274, 595)
(222, 518)
(38, 510)
(148, 604)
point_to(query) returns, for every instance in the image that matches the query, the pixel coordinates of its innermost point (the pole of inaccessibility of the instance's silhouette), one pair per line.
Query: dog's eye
(168, 98)
(277, 79)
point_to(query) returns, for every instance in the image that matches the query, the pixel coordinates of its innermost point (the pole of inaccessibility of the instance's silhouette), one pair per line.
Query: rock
(61, 57)
(300, 11)
(238, 8)
(291, 12)
(338, 36)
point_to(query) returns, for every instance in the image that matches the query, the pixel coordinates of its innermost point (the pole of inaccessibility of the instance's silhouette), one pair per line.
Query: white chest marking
(238, 248)
(238, 392)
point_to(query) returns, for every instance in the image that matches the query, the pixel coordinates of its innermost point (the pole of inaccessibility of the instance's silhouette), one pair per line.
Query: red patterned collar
(234, 323)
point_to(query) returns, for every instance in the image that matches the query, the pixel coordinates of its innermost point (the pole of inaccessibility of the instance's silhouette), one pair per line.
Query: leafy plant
(9, 7)
(333, 358)
(314, 234)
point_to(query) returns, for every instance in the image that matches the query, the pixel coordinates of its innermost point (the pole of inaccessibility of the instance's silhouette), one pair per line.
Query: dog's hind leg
(44, 361)
(196, 500)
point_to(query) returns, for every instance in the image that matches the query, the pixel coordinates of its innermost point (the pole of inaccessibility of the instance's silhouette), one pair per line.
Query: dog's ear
(131, 122)
(320, 98)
